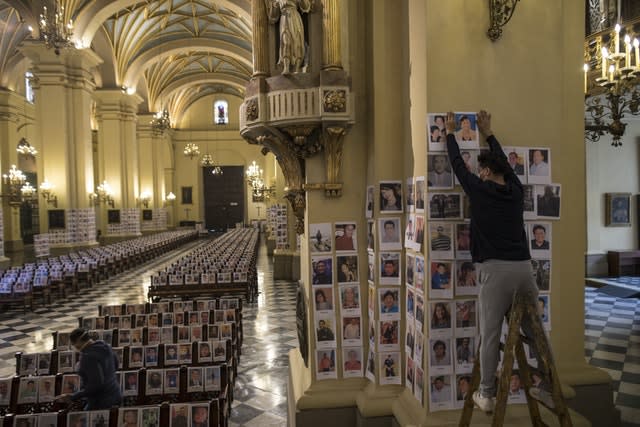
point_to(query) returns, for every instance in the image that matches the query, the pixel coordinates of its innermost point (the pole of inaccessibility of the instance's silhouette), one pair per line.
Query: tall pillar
(118, 144)
(260, 32)
(63, 86)
(12, 115)
(331, 34)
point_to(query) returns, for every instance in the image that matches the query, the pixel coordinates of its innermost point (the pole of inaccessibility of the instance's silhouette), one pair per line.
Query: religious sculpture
(292, 45)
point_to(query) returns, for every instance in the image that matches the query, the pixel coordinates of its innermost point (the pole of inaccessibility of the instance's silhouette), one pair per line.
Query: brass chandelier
(611, 88)
(54, 32)
(161, 121)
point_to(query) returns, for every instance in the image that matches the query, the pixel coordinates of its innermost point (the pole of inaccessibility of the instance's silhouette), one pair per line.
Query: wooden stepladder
(523, 306)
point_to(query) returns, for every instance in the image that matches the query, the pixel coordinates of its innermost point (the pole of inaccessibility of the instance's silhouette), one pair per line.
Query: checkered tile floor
(269, 328)
(612, 342)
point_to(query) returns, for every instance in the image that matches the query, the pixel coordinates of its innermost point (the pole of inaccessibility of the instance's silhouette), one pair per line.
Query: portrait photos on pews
(51, 420)
(200, 415)
(46, 388)
(153, 336)
(62, 341)
(5, 391)
(130, 383)
(65, 361)
(89, 323)
(196, 332)
(212, 378)
(213, 332)
(150, 416)
(171, 354)
(218, 316)
(230, 315)
(180, 415)
(28, 390)
(136, 336)
(204, 352)
(171, 381)
(184, 334)
(141, 320)
(195, 383)
(184, 353)
(194, 318)
(150, 356)
(219, 350)
(178, 318)
(226, 331)
(124, 337)
(70, 383)
(154, 382)
(127, 417)
(178, 306)
(28, 364)
(26, 421)
(107, 336)
(167, 335)
(135, 357)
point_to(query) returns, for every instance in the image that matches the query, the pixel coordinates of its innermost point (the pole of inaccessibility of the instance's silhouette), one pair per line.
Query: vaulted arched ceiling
(170, 50)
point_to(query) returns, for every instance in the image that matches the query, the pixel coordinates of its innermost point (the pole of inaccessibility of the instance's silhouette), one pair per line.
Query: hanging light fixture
(25, 149)
(614, 89)
(53, 30)
(161, 121)
(191, 150)
(207, 160)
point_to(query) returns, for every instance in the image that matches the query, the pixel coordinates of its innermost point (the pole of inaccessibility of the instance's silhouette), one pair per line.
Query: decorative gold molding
(303, 140)
(334, 101)
(253, 110)
(500, 12)
(333, 138)
(331, 34)
(292, 169)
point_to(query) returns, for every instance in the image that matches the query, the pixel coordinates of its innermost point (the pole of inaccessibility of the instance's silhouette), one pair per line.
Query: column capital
(114, 104)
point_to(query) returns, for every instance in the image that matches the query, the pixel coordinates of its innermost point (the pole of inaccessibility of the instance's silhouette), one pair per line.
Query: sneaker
(542, 396)
(486, 404)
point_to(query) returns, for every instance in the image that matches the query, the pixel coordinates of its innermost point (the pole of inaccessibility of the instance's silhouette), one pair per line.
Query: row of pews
(66, 274)
(166, 379)
(225, 266)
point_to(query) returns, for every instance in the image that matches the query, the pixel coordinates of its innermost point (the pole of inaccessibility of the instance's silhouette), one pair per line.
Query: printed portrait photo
(466, 131)
(389, 304)
(419, 194)
(441, 240)
(391, 368)
(542, 272)
(325, 335)
(370, 201)
(351, 331)
(323, 297)
(440, 318)
(389, 233)
(440, 359)
(326, 364)
(350, 299)
(322, 273)
(352, 357)
(389, 330)
(436, 131)
(390, 196)
(347, 267)
(441, 393)
(548, 201)
(466, 278)
(440, 175)
(466, 317)
(519, 161)
(441, 279)
(539, 166)
(390, 268)
(346, 239)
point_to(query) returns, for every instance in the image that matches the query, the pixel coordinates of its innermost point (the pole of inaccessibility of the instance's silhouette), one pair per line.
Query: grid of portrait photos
(277, 221)
(129, 222)
(449, 302)
(336, 299)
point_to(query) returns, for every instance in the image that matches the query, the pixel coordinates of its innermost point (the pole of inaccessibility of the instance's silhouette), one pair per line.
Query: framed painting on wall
(618, 209)
(187, 195)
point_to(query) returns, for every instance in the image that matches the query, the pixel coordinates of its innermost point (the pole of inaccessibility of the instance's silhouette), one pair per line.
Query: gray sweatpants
(499, 280)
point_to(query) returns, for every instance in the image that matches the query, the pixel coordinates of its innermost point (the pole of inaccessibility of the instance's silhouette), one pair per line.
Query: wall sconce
(46, 189)
(144, 199)
(103, 194)
(169, 198)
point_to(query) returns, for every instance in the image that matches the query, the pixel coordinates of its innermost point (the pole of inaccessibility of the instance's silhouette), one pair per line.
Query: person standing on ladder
(499, 247)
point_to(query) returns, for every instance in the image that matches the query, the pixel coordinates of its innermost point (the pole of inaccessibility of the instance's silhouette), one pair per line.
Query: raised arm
(484, 125)
(466, 178)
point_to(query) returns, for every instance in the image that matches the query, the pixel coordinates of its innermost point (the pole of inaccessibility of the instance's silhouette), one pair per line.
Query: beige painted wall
(530, 80)
(612, 170)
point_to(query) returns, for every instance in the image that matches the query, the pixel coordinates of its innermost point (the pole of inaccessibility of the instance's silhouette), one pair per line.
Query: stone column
(331, 34)
(260, 38)
(118, 145)
(12, 115)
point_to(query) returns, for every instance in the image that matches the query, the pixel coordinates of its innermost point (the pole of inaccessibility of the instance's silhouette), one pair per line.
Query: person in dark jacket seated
(97, 370)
